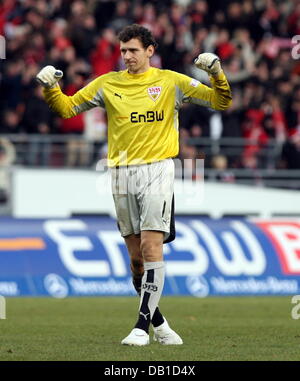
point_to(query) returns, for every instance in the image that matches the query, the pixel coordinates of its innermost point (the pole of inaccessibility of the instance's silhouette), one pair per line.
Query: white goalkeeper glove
(208, 62)
(49, 76)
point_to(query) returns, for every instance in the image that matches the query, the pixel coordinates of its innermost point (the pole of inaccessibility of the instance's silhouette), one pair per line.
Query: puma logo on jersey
(145, 315)
(118, 95)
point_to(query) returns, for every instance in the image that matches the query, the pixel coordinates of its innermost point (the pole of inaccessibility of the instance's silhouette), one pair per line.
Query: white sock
(152, 286)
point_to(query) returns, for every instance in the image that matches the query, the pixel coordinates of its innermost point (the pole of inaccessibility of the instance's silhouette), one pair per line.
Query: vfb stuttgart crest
(154, 92)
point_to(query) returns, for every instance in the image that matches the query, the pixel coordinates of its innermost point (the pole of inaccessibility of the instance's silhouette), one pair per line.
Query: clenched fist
(208, 62)
(49, 76)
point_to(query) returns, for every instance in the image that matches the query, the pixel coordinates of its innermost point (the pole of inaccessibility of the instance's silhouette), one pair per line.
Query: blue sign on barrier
(87, 256)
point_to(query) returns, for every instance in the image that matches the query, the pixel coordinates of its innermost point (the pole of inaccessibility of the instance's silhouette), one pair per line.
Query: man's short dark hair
(139, 32)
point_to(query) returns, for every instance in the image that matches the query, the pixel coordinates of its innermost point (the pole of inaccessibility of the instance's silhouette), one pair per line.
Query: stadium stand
(256, 141)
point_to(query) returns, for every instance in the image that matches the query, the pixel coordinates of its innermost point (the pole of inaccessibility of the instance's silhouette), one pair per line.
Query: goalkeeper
(142, 106)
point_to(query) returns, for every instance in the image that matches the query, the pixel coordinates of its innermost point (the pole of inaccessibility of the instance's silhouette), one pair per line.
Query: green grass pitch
(240, 328)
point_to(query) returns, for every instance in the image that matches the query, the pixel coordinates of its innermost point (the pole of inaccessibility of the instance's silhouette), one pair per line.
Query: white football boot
(165, 335)
(136, 337)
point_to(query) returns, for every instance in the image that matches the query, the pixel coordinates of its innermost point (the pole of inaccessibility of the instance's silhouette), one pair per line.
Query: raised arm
(192, 91)
(68, 106)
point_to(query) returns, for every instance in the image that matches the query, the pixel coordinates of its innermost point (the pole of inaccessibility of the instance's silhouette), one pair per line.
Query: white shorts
(144, 198)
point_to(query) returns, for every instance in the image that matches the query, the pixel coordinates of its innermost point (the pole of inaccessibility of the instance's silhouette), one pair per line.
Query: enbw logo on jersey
(150, 116)
(154, 92)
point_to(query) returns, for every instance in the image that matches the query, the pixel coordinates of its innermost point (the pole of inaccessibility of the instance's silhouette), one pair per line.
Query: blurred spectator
(253, 39)
(251, 162)
(95, 131)
(291, 152)
(224, 47)
(293, 20)
(11, 84)
(274, 122)
(105, 57)
(77, 149)
(11, 122)
(195, 120)
(220, 164)
(122, 16)
(293, 111)
(38, 119)
(234, 13)
(199, 15)
(188, 155)
(7, 158)
(232, 119)
(83, 36)
(104, 12)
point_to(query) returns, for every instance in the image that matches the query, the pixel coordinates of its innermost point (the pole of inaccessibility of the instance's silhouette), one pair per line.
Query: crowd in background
(253, 39)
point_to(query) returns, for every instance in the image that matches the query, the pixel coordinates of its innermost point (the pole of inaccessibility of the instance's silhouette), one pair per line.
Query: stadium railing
(57, 151)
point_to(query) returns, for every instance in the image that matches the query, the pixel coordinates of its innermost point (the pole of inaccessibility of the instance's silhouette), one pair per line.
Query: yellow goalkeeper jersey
(142, 110)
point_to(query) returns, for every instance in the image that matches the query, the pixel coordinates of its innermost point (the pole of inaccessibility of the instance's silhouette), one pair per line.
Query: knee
(151, 250)
(137, 265)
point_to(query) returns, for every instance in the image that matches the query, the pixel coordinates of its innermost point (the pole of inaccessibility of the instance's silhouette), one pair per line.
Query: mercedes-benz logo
(197, 285)
(56, 286)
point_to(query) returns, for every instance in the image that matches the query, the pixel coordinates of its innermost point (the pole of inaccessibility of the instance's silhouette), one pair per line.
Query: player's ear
(150, 51)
